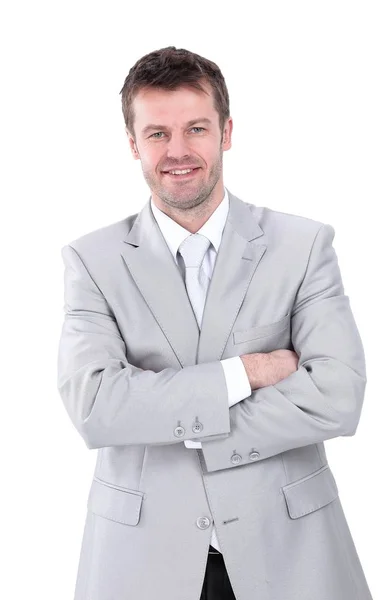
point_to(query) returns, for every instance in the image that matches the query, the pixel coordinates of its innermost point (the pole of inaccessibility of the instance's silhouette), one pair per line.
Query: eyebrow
(192, 122)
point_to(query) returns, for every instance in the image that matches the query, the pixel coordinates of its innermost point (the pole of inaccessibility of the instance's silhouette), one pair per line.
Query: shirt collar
(175, 234)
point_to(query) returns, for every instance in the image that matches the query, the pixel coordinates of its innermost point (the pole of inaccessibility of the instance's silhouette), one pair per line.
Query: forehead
(183, 104)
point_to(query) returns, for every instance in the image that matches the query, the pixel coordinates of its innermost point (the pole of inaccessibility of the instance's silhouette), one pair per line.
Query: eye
(158, 134)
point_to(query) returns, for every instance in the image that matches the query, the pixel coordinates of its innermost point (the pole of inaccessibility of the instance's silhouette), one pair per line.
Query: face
(179, 129)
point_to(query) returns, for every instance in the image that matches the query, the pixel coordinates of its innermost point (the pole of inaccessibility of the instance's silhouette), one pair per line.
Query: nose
(177, 146)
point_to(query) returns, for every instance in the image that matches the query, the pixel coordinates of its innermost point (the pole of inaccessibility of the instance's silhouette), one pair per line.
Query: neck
(192, 217)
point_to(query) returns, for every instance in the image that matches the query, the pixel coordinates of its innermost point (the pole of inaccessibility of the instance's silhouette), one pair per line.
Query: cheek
(209, 151)
(150, 160)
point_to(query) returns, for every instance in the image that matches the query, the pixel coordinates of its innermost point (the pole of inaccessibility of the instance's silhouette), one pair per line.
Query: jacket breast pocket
(115, 503)
(310, 493)
(262, 331)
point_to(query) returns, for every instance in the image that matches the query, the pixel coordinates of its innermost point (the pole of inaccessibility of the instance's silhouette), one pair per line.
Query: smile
(181, 174)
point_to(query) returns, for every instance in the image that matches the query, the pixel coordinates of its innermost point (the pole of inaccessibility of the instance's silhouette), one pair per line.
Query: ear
(227, 131)
(132, 143)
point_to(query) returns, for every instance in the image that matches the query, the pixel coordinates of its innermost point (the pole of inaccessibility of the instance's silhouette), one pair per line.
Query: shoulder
(271, 218)
(104, 239)
(288, 227)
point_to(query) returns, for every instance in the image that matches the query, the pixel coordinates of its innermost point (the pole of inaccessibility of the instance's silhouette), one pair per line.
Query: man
(208, 351)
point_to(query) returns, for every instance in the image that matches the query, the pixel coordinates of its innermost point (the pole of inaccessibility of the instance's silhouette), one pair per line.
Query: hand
(267, 368)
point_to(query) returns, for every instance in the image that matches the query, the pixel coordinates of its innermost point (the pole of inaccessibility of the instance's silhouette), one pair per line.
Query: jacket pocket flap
(311, 492)
(262, 330)
(114, 503)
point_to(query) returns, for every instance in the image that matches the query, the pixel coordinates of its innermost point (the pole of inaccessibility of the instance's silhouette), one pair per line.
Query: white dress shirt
(237, 381)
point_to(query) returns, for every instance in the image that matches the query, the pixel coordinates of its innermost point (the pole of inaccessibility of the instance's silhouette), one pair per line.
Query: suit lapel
(159, 280)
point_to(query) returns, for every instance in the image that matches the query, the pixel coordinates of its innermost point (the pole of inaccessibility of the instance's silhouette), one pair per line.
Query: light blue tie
(193, 250)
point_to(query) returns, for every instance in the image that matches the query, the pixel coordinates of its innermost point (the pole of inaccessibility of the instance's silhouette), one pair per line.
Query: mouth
(181, 174)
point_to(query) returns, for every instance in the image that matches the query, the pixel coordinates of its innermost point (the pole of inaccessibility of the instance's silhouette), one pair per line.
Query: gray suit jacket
(137, 378)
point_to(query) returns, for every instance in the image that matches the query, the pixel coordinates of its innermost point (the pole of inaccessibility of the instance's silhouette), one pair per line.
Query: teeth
(180, 172)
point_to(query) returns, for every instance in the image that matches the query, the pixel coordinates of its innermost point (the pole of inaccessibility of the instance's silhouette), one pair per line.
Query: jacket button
(203, 522)
(236, 458)
(254, 455)
(179, 431)
(197, 427)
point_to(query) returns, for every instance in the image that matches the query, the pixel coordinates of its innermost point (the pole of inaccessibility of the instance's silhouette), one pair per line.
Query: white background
(310, 90)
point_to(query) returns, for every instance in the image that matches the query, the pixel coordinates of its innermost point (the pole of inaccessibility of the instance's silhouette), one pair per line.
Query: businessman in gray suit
(207, 352)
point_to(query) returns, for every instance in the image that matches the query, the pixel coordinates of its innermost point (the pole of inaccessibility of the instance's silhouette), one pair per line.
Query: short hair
(170, 68)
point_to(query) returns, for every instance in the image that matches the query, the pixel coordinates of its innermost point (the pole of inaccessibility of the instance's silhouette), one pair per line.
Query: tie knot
(193, 249)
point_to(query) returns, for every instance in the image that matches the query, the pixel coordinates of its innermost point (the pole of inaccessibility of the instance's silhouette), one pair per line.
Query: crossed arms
(112, 402)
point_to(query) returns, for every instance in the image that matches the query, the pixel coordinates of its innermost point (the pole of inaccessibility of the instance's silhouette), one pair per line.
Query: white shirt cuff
(237, 380)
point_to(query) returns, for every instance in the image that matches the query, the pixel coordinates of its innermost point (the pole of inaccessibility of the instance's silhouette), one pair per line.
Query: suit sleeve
(323, 398)
(112, 402)
(237, 383)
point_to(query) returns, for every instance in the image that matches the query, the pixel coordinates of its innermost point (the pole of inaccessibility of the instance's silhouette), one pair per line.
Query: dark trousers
(216, 585)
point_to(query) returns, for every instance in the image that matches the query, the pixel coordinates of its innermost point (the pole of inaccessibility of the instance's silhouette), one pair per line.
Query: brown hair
(168, 69)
